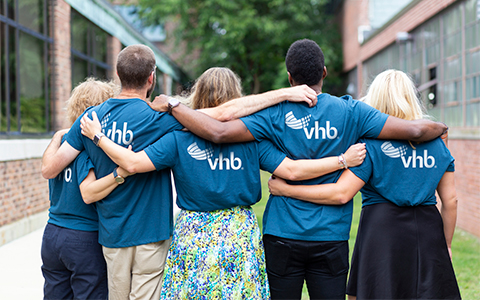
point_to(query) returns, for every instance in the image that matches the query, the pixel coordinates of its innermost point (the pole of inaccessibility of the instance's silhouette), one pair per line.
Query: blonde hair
(91, 92)
(214, 87)
(394, 93)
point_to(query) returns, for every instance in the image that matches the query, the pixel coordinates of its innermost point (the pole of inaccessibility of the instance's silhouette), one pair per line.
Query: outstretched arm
(57, 156)
(416, 130)
(133, 162)
(448, 196)
(248, 105)
(303, 169)
(327, 194)
(211, 129)
(94, 190)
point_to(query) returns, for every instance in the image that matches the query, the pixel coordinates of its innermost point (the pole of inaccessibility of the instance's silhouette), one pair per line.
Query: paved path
(20, 274)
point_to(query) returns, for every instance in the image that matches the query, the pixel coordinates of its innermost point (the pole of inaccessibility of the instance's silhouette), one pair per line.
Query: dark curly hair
(305, 62)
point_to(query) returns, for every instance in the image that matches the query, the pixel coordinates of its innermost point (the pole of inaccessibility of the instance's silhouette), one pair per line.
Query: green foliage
(249, 36)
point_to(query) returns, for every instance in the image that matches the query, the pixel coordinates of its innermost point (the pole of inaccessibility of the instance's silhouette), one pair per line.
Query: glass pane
(452, 69)
(453, 44)
(11, 9)
(101, 73)
(100, 45)
(473, 88)
(2, 3)
(452, 20)
(30, 14)
(472, 62)
(473, 114)
(471, 11)
(32, 84)
(453, 115)
(79, 32)
(79, 71)
(452, 92)
(431, 33)
(3, 115)
(11, 95)
(433, 53)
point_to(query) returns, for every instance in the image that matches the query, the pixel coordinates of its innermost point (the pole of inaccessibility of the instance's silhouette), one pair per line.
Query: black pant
(323, 265)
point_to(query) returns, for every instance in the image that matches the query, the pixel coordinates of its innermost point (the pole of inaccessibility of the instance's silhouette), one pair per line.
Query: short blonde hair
(91, 92)
(394, 93)
(214, 87)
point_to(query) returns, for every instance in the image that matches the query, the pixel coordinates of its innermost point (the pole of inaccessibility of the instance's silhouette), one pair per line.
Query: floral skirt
(216, 255)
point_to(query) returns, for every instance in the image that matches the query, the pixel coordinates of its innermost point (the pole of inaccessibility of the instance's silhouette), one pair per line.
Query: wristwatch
(97, 137)
(172, 102)
(118, 179)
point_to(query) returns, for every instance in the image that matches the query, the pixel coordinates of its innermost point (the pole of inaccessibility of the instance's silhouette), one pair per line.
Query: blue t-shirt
(67, 208)
(140, 211)
(301, 132)
(403, 175)
(212, 176)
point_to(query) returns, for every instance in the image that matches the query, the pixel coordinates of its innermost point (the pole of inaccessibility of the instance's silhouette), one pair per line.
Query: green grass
(465, 248)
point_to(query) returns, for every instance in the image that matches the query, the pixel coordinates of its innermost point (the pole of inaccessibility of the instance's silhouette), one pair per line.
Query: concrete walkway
(20, 274)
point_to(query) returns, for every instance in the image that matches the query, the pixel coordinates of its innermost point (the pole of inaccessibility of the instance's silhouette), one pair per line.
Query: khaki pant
(136, 272)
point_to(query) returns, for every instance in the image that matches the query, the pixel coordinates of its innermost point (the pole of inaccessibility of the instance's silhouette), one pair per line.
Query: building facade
(46, 48)
(437, 42)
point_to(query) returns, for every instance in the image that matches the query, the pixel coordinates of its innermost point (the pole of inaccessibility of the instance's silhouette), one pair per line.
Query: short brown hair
(214, 87)
(134, 64)
(91, 92)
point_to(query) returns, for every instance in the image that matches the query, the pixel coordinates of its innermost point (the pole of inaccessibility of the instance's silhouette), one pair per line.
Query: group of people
(320, 152)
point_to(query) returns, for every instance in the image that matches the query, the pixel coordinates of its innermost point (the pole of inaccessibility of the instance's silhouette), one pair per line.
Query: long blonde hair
(394, 93)
(91, 92)
(214, 87)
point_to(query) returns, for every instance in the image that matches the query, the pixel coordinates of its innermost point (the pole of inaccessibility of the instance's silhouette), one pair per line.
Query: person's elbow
(88, 197)
(343, 197)
(48, 172)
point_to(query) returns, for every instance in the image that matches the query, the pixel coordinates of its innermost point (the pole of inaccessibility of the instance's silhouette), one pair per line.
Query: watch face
(119, 179)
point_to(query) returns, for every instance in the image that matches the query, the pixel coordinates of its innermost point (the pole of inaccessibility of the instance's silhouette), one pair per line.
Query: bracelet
(342, 161)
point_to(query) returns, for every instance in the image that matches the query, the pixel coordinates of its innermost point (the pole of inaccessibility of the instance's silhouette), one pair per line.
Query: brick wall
(467, 182)
(62, 84)
(24, 191)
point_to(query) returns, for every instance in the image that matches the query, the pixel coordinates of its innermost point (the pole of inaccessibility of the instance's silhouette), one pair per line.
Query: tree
(249, 36)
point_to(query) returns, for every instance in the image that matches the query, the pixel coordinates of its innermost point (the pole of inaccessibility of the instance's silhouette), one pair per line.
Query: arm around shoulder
(57, 157)
(415, 130)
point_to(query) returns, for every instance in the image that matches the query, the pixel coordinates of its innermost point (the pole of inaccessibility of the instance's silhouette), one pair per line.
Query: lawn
(465, 248)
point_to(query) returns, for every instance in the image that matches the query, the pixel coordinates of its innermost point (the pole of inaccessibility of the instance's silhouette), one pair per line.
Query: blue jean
(73, 264)
(290, 263)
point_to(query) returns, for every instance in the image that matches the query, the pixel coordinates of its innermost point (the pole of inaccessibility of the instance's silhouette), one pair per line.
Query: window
(89, 49)
(24, 72)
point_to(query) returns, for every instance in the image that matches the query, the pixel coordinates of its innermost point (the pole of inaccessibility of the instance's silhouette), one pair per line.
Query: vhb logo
(427, 161)
(326, 132)
(121, 136)
(233, 162)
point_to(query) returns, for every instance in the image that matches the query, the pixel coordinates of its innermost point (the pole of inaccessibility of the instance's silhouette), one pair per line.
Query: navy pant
(73, 264)
(323, 265)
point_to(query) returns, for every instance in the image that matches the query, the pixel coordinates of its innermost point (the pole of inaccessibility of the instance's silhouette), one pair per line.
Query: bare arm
(303, 169)
(133, 162)
(448, 196)
(211, 129)
(94, 190)
(337, 193)
(248, 105)
(57, 156)
(416, 130)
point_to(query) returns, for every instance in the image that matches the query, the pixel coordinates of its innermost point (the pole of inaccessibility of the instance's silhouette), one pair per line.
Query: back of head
(305, 62)
(91, 92)
(214, 87)
(394, 93)
(134, 64)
